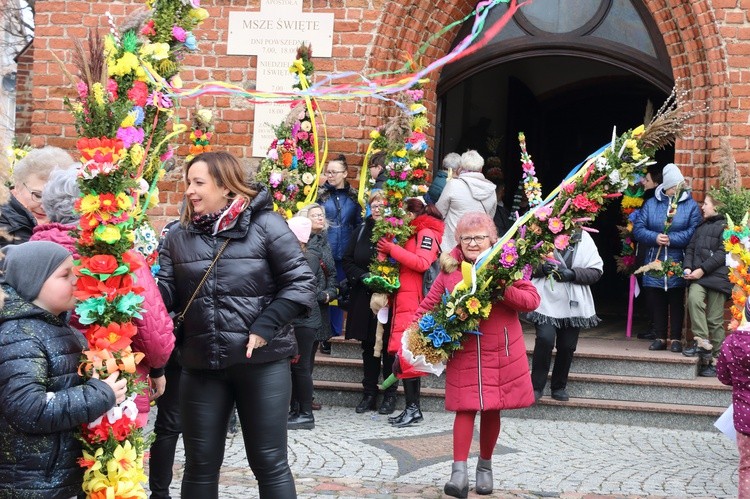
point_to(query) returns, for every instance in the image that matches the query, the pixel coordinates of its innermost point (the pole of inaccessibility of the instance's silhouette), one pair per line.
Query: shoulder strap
(203, 281)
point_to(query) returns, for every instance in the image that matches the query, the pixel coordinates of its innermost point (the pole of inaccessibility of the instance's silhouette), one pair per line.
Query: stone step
(623, 357)
(698, 391)
(648, 414)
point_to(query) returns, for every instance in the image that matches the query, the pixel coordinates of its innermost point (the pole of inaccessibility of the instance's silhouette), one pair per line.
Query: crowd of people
(249, 344)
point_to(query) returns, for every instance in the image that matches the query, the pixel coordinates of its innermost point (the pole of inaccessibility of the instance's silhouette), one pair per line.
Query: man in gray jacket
(468, 191)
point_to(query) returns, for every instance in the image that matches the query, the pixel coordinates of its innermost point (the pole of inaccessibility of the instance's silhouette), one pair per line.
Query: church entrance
(565, 82)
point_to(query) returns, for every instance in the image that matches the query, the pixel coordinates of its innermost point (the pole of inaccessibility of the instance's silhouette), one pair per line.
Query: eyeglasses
(35, 195)
(331, 173)
(376, 206)
(317, 215)
(473, 239)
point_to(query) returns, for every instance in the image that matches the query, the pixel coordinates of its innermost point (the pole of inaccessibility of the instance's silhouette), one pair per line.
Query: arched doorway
(565, 77)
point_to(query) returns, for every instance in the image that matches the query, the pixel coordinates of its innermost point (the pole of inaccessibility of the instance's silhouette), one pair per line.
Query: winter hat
(671, 176)
(301, 226)
(26, 266)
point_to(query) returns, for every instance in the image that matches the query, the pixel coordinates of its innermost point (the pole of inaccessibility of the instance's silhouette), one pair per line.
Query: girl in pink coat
(155, 338)
(491, 372)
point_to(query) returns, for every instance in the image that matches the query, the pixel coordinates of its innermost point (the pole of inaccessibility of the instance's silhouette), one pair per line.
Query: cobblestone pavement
(351, 455)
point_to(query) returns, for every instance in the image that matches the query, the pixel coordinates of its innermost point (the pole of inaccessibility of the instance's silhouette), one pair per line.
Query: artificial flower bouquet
(407, 174)
(202, 133)
(431, 341)
(292, 166)
(737, 245)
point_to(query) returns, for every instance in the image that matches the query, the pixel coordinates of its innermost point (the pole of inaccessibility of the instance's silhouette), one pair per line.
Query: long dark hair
(418, 207)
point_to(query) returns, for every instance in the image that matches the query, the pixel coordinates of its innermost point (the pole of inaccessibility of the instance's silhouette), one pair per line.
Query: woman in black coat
(361, 323)
(236, 343)
(708, 277)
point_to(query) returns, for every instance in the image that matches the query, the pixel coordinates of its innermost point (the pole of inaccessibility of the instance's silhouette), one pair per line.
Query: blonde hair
(375, 195)
(227, 171)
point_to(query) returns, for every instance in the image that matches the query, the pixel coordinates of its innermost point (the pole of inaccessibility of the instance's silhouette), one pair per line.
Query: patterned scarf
(223, 219)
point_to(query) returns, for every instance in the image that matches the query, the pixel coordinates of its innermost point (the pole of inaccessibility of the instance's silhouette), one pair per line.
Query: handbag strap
(203, 281)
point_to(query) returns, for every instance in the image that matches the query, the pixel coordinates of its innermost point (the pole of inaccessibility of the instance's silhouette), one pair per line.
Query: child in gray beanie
(43, 400)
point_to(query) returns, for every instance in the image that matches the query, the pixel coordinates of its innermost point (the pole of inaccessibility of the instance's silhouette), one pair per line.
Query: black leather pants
(261, 393)
(167, 429)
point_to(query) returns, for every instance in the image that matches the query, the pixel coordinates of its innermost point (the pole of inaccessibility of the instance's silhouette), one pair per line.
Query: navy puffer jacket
(343, 213)
(706, 251)
(42, 401)
(650, 223)
(262, 263)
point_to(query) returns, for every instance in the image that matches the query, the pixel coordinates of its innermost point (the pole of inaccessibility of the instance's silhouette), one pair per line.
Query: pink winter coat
(155, 336)
(414, 258)
(491, 371)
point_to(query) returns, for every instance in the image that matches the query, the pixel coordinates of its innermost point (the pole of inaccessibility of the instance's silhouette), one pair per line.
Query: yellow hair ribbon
(363, 173)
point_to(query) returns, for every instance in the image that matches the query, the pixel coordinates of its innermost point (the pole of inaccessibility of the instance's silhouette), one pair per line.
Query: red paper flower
(100, 264)
(138, 93)
(112, 337)
(102, 150)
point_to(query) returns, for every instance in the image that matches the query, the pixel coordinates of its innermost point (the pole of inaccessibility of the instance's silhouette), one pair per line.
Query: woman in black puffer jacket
(707, 273)
(236, 344)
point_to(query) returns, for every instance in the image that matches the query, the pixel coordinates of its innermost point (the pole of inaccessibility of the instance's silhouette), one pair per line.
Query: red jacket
(155, 336)
(414, 258)
(491, 371)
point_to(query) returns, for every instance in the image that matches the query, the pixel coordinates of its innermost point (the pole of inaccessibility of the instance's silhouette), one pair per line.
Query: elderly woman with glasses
(344, 214)
(361, 323)
(490, 373)
(24, 210)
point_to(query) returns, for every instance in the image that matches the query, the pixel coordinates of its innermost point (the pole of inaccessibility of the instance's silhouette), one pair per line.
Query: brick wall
(24, 99)
(706, 39)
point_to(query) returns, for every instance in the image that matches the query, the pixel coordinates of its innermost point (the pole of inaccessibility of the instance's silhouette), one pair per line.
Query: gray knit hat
(26, 266)
(671, 176)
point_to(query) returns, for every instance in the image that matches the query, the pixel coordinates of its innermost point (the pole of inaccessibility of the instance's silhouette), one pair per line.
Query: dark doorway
(567, 106)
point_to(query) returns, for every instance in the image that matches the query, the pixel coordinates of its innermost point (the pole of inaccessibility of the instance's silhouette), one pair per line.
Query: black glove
(565, 275)
(544, 269)
(396, 368)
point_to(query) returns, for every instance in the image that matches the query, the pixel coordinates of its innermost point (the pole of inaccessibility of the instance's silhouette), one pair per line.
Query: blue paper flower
(139, 115)
(439, 336)
(427, 322)
(190, 42)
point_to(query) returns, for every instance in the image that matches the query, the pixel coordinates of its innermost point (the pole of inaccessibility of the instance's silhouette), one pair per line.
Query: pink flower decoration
(83, 90)
(309, 158)
(543, 213)
(527, 271)
(112, 89)
(167, 155)
(130, 135)
(562, 241)
(179, 34)
(302, 135)
(569, 188)
(555, 225)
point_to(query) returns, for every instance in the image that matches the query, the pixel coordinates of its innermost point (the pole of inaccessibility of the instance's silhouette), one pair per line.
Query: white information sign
(274, 34)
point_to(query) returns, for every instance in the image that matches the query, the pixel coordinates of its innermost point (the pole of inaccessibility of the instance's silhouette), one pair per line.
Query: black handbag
(179, 320)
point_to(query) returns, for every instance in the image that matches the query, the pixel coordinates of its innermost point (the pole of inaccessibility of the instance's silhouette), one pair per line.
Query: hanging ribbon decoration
(299, 68)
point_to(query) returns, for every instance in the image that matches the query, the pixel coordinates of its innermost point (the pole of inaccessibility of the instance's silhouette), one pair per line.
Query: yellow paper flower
(401, 153)
(486, 310)
(124, 202)
(136, 154)
(638, 131)
(109, 46)
(297, 67)
(89, 204)
(109, 234)
(374, 135)
(98, 92)
(198, 14)
(176, 81)
(473, 304)
(125, 64)
(128, 121)
(157, 51)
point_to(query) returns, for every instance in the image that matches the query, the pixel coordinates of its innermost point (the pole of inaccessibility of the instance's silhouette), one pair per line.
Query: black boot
(412, 413)
(366, 404)
(302, 421)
